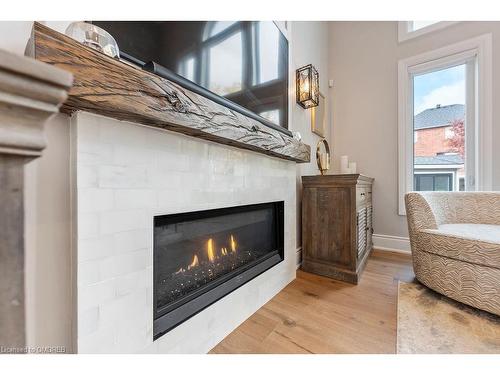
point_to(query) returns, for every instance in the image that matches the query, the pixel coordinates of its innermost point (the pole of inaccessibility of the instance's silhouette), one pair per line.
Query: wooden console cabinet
(337, 227)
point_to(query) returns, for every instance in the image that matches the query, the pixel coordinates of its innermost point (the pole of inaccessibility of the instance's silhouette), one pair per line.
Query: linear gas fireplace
(199, 257)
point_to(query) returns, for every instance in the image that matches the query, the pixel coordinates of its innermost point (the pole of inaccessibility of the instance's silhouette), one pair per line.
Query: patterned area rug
(431, 323)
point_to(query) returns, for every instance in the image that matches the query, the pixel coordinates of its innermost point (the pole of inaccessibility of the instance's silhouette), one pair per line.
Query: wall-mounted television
(240, 64)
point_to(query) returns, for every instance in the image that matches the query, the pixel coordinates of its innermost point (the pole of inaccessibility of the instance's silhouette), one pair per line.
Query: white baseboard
(391, 243)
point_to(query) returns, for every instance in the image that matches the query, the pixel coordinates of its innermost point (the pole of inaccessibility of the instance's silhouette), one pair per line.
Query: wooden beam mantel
(112, 88)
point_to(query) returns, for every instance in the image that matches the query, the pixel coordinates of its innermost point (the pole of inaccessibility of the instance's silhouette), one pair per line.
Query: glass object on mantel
(94, 37)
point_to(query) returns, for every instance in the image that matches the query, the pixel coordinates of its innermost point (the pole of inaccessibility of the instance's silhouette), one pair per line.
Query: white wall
(49, 290)
(15, 34)
(363, 65)
(309, 45)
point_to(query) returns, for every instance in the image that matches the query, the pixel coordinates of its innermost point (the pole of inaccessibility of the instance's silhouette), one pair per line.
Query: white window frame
(479, 48)
(405, 31)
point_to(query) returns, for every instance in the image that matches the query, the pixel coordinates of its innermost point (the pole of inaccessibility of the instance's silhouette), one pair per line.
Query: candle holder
(323, 157)
(94, 37)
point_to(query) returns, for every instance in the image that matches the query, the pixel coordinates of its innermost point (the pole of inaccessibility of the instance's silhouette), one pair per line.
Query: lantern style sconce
(307, 88)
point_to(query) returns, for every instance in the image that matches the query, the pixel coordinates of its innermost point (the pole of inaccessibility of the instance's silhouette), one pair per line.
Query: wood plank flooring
(315, 314)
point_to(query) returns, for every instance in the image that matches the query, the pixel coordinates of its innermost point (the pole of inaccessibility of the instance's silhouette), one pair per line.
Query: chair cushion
(472, 243)
(480, 232)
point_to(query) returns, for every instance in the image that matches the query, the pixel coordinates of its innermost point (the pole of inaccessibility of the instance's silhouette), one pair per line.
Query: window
(449, 88)
(434, 182)
(417, 25)
(439, 107)
(412, 29)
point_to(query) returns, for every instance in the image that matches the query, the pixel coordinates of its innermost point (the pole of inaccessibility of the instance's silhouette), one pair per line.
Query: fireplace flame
(233, 244)
(194, 263)
(211, 254)
(210, 250)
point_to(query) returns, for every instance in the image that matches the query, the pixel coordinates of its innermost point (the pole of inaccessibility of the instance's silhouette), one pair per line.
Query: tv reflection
(243, 61)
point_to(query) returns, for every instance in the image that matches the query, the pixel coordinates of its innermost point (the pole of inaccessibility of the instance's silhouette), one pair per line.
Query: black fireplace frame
(170, 316)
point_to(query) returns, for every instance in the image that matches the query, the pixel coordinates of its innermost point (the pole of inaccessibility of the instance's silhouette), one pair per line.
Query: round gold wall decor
(323, 156)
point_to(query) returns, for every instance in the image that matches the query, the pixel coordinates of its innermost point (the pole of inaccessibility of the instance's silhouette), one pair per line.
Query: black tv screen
(244, 62)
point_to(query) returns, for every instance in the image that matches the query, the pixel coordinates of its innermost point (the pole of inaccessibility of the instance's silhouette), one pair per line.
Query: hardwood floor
(315, 314)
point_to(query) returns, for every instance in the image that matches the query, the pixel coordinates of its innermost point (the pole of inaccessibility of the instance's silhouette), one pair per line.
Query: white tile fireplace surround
(125, 174)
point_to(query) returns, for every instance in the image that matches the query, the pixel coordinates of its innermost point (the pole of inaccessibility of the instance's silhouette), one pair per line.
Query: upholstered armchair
(455, 244)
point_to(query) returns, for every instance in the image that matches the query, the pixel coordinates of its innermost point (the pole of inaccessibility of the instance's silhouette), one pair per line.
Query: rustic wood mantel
(106, 86)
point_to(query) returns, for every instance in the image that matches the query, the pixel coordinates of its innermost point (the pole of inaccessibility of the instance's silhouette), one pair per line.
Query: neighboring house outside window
(437, 165)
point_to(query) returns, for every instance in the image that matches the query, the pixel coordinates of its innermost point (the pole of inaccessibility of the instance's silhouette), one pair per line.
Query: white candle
(352, 167)
(344, 161)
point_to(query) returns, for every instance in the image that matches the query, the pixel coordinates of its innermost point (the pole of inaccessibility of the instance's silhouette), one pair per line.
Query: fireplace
(199, 257)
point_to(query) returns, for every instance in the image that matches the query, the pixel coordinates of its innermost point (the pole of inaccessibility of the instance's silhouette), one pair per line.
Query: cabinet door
(369, 227)
(326, 225)
(361, 226)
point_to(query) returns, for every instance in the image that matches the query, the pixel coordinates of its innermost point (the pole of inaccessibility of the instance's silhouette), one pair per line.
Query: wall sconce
(307, 88)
